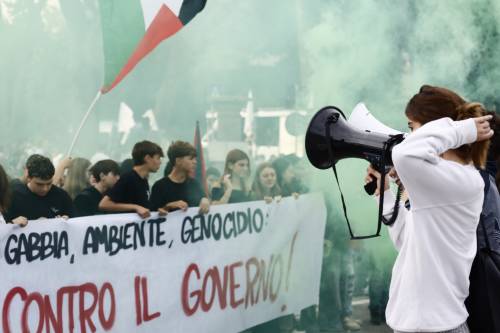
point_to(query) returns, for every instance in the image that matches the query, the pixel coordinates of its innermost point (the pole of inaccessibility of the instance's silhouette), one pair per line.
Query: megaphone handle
(371, 187)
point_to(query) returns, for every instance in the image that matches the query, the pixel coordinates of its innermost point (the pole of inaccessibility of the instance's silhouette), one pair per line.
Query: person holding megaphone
(436, 238)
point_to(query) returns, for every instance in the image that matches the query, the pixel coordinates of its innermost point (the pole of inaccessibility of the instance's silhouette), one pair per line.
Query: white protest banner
(235, 267)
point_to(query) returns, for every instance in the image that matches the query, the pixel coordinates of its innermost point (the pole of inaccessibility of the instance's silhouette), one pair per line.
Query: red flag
(200, 174)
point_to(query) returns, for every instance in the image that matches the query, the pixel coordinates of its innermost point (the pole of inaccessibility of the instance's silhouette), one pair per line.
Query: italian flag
(133, 28)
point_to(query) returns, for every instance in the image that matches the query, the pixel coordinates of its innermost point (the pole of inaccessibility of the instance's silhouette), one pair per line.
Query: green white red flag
(133, 28)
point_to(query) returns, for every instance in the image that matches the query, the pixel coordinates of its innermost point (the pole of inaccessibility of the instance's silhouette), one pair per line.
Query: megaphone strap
(383, 172)
(344, 207)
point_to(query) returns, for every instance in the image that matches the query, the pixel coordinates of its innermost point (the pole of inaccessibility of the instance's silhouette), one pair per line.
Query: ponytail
(476, 152)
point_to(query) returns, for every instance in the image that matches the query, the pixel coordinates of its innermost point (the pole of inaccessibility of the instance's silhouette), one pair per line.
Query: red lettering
(251, 281)
(137, 287)
(233, 286)
(273, 294)
(33, 297)
(86, 313)
(50, 318)
(107, 324)
(212, 275)
(264, 279)
(188, 310)
(70, 291)
(146, 315)
(290, 256)
(6, 306)
(218, 285)
(222, 288)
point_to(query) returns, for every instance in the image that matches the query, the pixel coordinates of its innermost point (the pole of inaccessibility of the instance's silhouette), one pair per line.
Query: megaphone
(331, 138)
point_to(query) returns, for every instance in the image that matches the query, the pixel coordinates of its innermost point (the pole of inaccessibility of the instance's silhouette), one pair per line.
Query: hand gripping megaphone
(331, 138)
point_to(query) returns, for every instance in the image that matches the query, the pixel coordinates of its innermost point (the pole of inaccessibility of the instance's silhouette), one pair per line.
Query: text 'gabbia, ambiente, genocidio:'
(264, 279)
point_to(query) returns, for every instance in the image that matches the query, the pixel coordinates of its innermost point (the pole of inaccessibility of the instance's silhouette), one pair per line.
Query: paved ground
(360, 309)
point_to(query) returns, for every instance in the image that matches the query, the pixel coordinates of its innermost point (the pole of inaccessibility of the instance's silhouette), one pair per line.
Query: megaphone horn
(329, 127)
(362, 119)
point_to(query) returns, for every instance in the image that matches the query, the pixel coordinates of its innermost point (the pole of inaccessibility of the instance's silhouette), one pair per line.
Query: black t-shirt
(131, 189)
(26, 203)
(165, 191)
(236, 196)
(87, 202)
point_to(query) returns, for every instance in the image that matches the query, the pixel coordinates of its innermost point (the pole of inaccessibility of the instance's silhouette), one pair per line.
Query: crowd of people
(76, 187)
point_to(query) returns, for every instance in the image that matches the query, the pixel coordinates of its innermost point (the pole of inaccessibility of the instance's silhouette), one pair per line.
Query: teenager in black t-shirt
(131, 192)
(178, 190)
(38, 198)
(104, 174)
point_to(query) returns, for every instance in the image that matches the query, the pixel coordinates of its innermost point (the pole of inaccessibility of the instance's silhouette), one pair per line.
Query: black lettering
(195, 227)
(33, 248)
(229, 217)
(113, 240)
(47, 250)
(139, 234)
(186, 235)
(242, 222)
(258, 220)
(11, 254)
(159, 233)
(126, 236)
(62, 245)
(217, 230)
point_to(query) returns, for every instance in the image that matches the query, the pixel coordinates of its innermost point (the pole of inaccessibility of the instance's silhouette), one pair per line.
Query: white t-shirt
(436, 239)
(2, 220)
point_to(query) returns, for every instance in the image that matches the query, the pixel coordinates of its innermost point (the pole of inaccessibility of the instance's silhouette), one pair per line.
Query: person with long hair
(265, 185)
(5, 199)
(234, 183)
(436, 237)
(77, 178)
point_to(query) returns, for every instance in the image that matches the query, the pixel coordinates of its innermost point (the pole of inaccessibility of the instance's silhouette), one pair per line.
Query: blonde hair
(477, 152)
(78, 177)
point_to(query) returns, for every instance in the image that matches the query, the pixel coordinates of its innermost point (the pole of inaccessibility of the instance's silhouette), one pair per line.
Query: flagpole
(84, 120)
